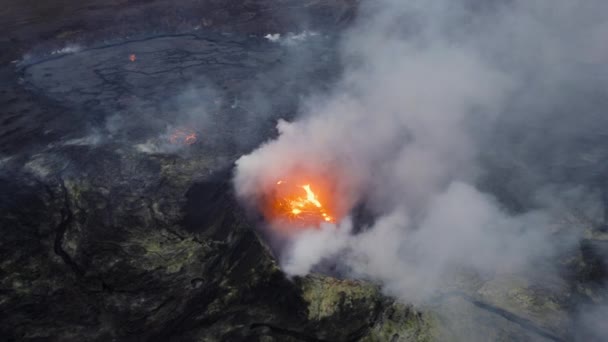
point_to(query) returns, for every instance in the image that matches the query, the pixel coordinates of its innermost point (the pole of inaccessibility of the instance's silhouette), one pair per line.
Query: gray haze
(434, 98)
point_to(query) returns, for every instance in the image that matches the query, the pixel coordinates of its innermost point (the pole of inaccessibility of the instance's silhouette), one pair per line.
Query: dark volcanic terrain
(111, 232)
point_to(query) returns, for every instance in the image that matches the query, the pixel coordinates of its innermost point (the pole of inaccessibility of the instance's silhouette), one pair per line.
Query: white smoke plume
(402, 132)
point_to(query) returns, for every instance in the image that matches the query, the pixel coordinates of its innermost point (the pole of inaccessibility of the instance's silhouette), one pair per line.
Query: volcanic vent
(297, 204)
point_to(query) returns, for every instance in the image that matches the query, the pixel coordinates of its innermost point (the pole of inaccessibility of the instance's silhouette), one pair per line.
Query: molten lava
(183, 136)
(298, 204)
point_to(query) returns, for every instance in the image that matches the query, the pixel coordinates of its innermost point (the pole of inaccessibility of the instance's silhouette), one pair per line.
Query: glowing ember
(132, 57)
(183, 136)
(297, 204)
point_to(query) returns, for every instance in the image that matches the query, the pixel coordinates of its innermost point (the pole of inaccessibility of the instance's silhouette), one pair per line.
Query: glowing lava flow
(183, 136)
(298, 205)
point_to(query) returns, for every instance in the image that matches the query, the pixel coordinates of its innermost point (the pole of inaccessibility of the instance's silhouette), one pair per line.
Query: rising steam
(426, 90)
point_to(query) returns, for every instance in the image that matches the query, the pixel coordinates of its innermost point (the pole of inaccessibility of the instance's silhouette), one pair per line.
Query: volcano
(120, 127)
(118, 217)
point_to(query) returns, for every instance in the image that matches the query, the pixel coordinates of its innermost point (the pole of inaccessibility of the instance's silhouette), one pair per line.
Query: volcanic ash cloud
(399, 133)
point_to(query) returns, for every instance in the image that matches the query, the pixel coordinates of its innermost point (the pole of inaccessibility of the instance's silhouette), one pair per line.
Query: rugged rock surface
(102, 260)
(110, 232)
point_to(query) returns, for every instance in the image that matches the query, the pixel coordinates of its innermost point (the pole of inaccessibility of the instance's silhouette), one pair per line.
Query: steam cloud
(434, 98)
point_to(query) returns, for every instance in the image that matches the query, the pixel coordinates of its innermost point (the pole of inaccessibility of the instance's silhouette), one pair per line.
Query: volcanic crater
(111, 231)
(115, 231)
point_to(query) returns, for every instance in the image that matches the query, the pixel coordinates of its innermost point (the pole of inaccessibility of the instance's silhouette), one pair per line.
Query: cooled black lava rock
(112, 233)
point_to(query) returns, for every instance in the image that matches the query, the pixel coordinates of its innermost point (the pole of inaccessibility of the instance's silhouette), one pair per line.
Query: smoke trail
(428, 89)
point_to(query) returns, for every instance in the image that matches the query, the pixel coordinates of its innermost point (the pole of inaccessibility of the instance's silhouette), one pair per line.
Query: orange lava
(184, 136)
(299, 204)
(132, 57)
